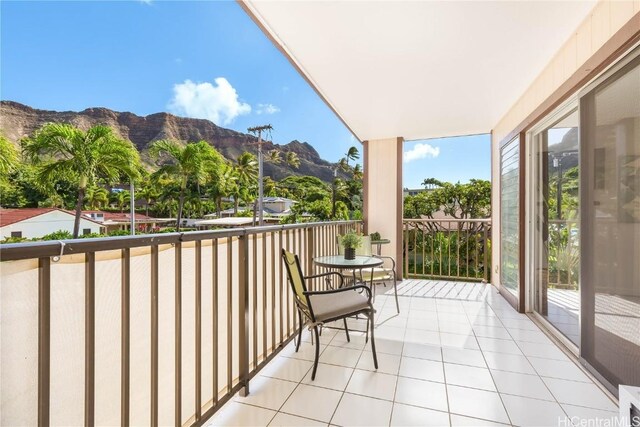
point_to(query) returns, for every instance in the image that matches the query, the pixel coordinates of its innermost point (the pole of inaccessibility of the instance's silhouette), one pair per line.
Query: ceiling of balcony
(419, 69)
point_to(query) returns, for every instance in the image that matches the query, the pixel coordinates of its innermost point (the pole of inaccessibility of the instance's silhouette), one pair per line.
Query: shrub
(57, 235)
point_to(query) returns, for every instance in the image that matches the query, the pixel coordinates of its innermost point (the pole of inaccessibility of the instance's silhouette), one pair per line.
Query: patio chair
(375, 275)
(320, 307)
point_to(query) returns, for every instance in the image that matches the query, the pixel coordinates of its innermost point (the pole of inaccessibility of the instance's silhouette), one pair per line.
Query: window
(86, 231)
(16, 234)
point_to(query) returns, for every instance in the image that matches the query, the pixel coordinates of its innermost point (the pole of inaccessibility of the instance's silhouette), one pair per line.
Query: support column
(382, 208)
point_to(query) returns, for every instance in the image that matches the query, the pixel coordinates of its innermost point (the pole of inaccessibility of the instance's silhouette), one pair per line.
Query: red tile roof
(11, 216)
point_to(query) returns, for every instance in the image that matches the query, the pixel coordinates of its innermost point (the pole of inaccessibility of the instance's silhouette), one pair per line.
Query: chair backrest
(296, 278)
(363, 250)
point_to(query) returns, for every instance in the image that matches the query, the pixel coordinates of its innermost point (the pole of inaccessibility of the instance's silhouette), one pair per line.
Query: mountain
(18, 120)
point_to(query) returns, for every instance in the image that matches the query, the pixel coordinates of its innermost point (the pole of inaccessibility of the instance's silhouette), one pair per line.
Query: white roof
(419, 69)
(230, 221)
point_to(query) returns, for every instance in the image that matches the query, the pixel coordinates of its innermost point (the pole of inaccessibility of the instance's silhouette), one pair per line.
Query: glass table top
(338, 261)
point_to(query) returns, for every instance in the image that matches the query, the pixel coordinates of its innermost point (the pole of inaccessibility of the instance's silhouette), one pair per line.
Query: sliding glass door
(610, 211)
(556, 255)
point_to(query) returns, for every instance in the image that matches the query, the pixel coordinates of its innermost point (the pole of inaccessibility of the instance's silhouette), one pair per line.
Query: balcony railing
(564, 254)
(451, 249)
(146, 330)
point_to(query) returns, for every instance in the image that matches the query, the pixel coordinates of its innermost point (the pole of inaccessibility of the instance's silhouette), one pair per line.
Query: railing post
(485, 248)
(243, 313)
(44, 339)
(310, 255)
(89, 337)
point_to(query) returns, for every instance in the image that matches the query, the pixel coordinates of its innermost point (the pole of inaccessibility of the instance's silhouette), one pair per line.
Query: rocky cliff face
(18, 120)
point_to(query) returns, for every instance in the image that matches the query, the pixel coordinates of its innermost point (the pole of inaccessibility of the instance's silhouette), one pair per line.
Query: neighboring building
(231, 222)
(271, 206)
(32, 223)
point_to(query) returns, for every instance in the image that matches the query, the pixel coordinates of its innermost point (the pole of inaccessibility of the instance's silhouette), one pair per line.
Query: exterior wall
(579, 59)
(606, 18)
(383, 193)
(47, 223)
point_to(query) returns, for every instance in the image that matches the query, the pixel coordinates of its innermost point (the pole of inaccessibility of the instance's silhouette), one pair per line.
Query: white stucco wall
(47, 223)
(384, 185)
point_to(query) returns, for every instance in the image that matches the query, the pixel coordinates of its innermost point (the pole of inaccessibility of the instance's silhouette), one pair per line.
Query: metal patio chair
(320, 307)
(374, 275)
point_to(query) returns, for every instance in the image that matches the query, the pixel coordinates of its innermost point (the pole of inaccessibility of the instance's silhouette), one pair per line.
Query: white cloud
(146, 1)
(420, 151)
(267, 109)
(217, 102)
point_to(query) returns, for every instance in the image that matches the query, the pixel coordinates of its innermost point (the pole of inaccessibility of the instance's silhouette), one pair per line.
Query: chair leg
(299, 331)
(346, 329)
(315, 362)
(366, 334)
(373, 341)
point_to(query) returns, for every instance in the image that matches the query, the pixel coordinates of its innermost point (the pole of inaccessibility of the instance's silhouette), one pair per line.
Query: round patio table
(339, 262)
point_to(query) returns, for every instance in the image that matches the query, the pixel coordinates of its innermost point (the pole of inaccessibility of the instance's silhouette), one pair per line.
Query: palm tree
(184, 163)
(97, 197)
(150, 190)
(357, 172)
(352, 154)
(246, 172)
(64, 151)
(293, 160)
(122, 198)
(223, 185)
(273, 156)
(8, 157)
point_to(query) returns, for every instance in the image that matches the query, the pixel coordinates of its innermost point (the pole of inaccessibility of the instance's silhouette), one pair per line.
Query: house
(114, 221)
(271, 206)
(32, 223)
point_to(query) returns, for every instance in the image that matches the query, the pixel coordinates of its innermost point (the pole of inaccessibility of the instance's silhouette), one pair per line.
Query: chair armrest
(330, 273)
(393, 261)
(335, 291)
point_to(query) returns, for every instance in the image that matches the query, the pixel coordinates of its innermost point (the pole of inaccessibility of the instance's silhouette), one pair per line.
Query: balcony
(457, 354)
(167, 329)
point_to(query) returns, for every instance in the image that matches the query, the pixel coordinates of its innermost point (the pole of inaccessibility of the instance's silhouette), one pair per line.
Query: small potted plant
(350, 241)
(375, 236)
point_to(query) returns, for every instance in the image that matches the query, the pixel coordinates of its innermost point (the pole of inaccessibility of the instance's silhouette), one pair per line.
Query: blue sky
(201, 59)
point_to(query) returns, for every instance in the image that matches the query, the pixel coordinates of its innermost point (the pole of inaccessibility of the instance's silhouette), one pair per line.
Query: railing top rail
(486, 220)
(30, 250)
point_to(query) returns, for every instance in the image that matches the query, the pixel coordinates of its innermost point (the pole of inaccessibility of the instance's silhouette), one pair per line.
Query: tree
(8, 157)
(246, 171)
(185, 163)
(292, 159)
(223, 185)
(62, 151)
(352, 154)
(97, 197)
(471, 200)
(122, 198)
(273, 156)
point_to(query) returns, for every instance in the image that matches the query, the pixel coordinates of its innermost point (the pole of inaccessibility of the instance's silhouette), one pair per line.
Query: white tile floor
(456, 355)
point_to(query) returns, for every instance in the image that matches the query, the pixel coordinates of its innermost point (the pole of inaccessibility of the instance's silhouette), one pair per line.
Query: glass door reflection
(556, 246)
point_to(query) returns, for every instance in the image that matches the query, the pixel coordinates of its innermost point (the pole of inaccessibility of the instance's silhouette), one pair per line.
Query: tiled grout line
(444, 372)
(485, 362)
(571, 357)
(536, 371)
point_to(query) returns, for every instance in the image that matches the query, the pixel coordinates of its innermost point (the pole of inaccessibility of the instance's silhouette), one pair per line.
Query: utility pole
(258, 130)
(132, 207)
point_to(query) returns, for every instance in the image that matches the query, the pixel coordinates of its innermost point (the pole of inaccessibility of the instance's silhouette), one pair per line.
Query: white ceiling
(420, 69)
